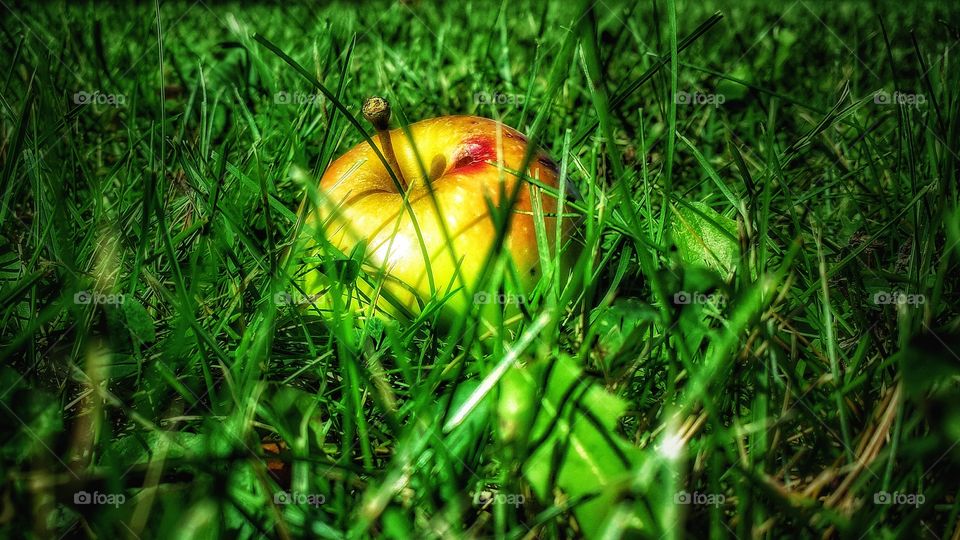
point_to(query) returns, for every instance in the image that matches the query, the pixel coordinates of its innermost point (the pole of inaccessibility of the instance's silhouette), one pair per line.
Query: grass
(758, 339)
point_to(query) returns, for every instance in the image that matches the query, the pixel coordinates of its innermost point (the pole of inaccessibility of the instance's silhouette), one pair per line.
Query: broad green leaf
(574, 422)
(138, 448)
(139, 321)
(616, 326)
(732, 90)
(705, 238)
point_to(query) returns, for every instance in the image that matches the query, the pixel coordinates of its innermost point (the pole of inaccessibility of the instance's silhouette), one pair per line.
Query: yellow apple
(468, 162)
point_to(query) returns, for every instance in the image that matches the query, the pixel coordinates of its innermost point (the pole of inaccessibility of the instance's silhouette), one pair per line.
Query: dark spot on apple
(516, 136)
(474, 152)
(533, 271)
(548, 163)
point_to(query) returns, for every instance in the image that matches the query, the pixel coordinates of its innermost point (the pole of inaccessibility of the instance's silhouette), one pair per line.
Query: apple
(468, 162)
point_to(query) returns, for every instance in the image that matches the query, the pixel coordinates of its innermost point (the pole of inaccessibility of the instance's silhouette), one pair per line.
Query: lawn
(750, 329)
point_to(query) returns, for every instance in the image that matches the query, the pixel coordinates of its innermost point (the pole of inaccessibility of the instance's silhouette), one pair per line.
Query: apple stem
(377, 111)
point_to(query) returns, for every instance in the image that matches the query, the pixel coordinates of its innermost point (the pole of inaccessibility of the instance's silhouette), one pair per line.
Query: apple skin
(361, 206)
